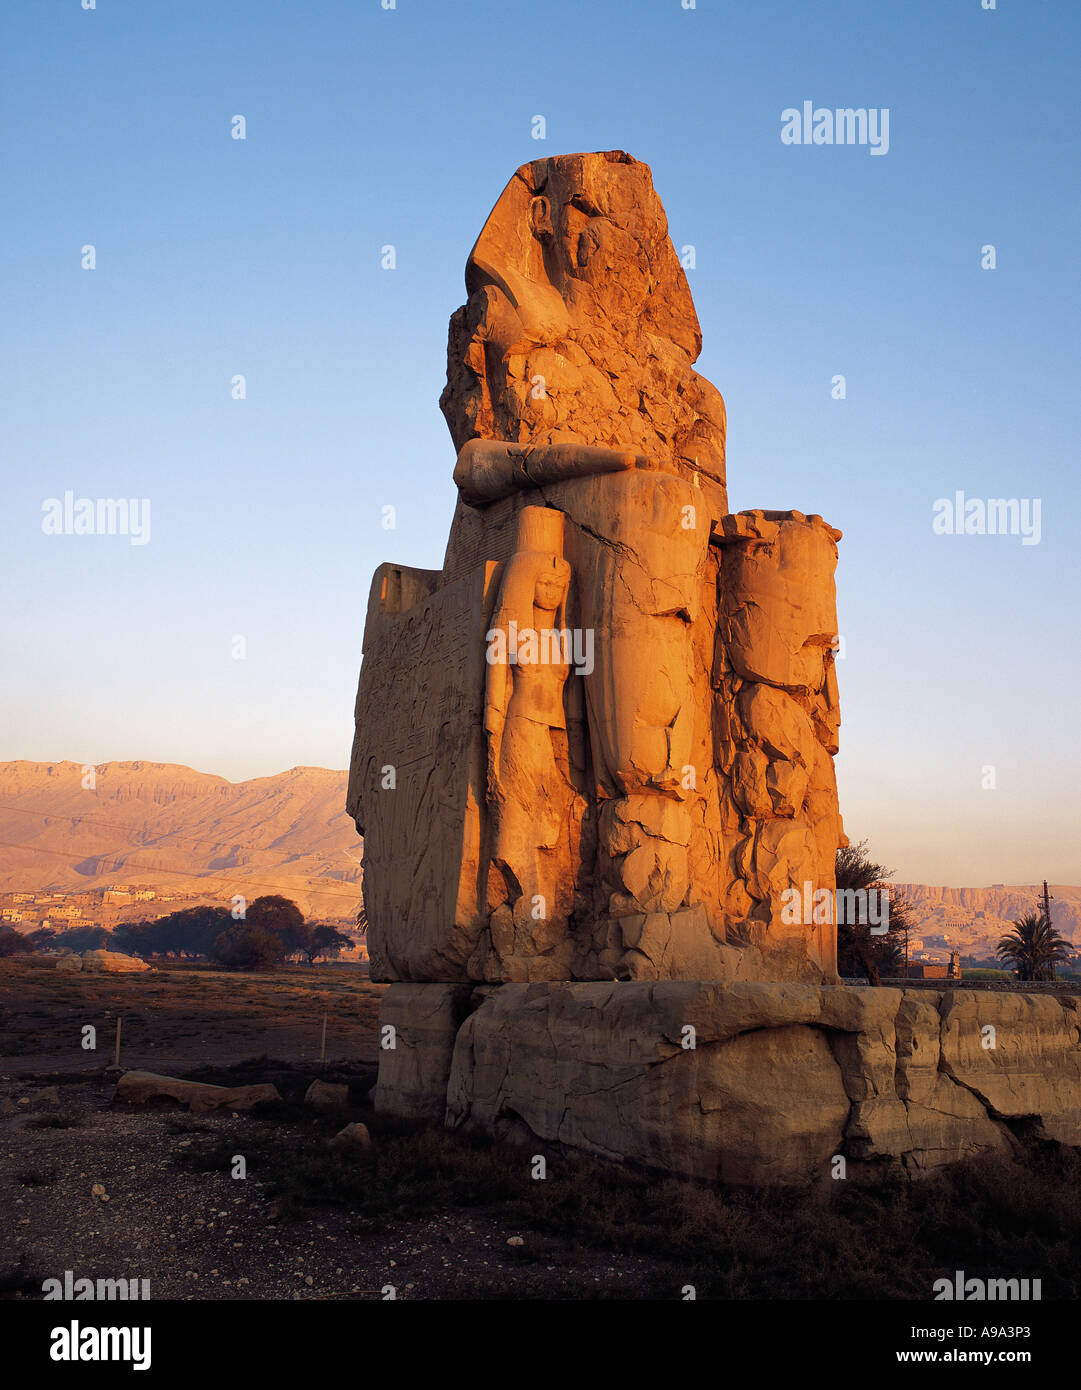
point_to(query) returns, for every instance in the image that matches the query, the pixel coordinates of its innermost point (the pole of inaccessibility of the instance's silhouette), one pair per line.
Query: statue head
(550, 590)
(536, 576)
(580, 324)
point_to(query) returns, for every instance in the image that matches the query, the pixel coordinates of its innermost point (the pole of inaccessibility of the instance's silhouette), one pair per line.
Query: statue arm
(496, 699)
(488, 469)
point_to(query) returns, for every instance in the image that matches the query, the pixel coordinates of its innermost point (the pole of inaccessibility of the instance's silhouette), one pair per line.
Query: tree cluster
(271, 930)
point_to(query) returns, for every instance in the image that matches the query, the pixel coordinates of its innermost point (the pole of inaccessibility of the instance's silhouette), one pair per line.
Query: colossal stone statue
(593, 764)
(642, 814)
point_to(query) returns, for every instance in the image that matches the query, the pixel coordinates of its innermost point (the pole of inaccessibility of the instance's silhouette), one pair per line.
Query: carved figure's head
(536, 576)
(580, 324)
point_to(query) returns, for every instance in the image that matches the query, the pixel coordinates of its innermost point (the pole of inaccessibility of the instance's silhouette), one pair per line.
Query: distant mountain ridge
(966, 915)
(166, 826)
(170, 828)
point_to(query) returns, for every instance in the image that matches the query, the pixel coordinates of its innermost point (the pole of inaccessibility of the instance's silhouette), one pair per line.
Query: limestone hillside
(972, 918)
(166, 827)
(177, 831)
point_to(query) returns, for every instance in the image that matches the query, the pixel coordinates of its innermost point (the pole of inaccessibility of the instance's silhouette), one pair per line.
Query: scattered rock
(49, 1095)
(515, 1240)
(353, 1139)
(138, 1087)
(113, 962)
(326, 1096)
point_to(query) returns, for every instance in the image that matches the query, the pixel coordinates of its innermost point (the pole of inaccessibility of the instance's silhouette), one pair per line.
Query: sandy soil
(201, 1234)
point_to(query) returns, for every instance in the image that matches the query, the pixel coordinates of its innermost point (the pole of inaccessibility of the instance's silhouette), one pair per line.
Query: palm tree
(857, 948)
(1032, 947)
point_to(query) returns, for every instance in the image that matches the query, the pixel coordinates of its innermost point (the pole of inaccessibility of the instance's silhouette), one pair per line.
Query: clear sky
(367, 127)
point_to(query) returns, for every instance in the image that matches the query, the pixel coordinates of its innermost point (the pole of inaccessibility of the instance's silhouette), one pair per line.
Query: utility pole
(1044, 904)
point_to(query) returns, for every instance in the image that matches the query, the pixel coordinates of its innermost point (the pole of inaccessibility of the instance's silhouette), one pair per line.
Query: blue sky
(366, 127)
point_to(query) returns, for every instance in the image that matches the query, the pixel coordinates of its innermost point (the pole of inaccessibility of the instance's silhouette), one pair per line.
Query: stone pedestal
(418, 1025)
(750, 1082)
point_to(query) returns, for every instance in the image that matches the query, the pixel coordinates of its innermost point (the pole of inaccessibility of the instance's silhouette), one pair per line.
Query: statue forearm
(488, 469)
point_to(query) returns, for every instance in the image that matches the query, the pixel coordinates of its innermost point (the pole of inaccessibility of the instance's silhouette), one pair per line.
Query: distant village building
(935, 969)
(922, 970)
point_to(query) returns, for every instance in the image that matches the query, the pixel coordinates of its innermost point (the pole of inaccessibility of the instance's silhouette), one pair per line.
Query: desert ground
(172, 1212)
(138, 1192)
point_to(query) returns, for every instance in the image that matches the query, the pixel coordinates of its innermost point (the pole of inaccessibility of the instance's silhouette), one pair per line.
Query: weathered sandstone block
(139, 1087)
(1019, 1055)
(781, 1078)
(323, 1095)
(113, 962)
(352, 1141)
(414, 1068)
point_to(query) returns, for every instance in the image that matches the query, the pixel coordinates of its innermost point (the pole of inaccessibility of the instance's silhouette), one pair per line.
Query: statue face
(551, 588)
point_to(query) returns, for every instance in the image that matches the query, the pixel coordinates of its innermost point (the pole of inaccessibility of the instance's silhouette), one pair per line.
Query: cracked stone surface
(415, 1054)
(638, 814)
(782, 1077)
(575, 852)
